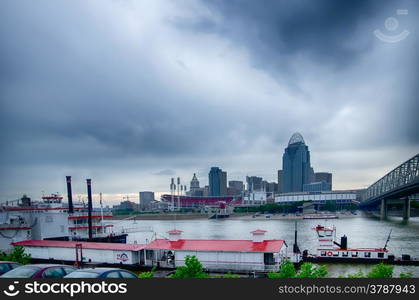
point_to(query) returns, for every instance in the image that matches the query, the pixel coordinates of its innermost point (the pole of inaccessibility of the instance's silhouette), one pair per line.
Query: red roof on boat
(85, 245)
(218, 245)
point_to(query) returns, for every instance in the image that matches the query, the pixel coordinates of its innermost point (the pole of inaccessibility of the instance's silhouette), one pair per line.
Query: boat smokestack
(89, 207)
(69, 196)
(344, 242)
(295, 247)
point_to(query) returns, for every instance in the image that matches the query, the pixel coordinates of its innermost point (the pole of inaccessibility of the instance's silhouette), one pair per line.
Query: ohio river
(362, 232)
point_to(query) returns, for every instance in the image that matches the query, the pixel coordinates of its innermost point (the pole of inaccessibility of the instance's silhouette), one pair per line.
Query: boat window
(380, 254)
(355, 254)
(149, 254)
(367, 254)
(345, 254)
(336, 253)
(268, 258)
(323, 253)
(328, 233)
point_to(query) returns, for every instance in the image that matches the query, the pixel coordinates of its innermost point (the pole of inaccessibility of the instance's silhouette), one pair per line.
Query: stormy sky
(132, 93)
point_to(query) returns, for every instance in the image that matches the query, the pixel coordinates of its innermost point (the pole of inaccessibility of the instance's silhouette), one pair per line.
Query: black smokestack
(296, 249)
(344, 242)
(89, 207)
(69, 195)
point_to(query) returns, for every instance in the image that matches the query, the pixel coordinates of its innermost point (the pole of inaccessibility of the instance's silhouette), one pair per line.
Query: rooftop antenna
(388, 239)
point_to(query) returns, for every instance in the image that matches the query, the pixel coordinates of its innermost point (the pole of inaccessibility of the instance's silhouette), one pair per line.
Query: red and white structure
(91, 252)
(257, 254)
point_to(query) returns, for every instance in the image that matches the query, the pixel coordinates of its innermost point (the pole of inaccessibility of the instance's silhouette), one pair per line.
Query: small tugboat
(222, 211)
(329, 250)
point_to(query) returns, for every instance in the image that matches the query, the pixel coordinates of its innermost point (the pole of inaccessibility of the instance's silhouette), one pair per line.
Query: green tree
(192, 269)
(307, 270)
(358, 274)
(381, 271)
(17, 255)
(149, 274)
(287, 271)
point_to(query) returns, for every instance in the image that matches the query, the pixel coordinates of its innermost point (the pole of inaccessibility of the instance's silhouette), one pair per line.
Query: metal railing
(406, 173)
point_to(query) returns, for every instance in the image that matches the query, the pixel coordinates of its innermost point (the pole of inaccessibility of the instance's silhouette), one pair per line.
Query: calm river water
(362, 232)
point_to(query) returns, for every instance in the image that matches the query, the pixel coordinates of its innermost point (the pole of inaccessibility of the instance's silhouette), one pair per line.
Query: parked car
(6, 266)
(101, 273)
(39, 271)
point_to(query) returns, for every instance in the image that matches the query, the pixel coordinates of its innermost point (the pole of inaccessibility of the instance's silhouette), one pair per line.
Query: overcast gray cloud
(132, 93)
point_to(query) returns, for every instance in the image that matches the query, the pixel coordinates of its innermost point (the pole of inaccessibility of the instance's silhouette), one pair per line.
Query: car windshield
(4, 268)
(82, 274)
(21, 272)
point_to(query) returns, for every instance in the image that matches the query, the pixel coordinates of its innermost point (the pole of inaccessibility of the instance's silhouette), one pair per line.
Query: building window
(149, 254)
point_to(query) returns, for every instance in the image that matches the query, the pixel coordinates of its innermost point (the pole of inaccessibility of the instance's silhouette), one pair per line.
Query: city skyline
(131, 99)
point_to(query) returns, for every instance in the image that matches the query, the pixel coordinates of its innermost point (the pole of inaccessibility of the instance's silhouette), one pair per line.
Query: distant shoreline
(235, 216)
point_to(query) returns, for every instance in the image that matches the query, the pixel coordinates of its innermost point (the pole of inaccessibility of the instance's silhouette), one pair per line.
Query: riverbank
(234, 216)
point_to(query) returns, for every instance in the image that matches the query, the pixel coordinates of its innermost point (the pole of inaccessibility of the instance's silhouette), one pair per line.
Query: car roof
(99, 270)
(46, 265)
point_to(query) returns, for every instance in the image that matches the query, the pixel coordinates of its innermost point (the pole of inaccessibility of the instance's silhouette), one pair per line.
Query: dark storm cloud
(110, 87)
(279, 28)
(329, 33)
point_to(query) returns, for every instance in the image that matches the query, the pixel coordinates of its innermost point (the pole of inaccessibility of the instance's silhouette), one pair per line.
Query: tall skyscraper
(296, 166)
(280, 181)
(145, 200)
(254, 183)
(235, 187)
(217, 182)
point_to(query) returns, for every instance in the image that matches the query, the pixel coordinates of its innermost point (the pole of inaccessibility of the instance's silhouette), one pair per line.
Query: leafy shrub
(307, 270)
(17, 255)
(192, 269)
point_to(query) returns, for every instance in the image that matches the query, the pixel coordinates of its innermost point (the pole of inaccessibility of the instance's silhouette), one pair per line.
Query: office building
(217, 182)
(146, 198)
(323, 176)
(317, 186)
(296, 166)
(254, 183)
(235, 187)
(280, 181)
